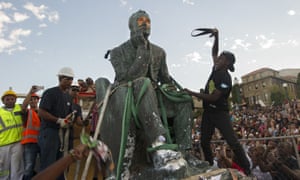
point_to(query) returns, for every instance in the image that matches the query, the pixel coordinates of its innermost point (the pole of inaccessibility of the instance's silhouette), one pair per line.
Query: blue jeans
(49, 145)
(31, 151)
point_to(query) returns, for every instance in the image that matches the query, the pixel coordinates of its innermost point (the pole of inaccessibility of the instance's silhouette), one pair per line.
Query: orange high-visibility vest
(31, 130)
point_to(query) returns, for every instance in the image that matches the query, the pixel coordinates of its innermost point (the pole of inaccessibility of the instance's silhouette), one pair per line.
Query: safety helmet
(75, 86)
(35, 95)
(66, 71)
(9, 93)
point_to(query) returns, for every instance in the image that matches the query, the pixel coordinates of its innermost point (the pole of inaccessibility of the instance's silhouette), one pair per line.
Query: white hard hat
(66, 71)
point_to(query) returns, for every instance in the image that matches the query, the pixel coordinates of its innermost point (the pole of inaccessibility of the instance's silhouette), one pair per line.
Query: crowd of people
(268, 135)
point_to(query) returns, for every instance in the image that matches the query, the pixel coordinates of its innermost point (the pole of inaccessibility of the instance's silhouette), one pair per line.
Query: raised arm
(215, 48)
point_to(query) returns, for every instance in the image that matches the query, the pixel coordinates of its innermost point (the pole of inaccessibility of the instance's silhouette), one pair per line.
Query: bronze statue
(148, 112)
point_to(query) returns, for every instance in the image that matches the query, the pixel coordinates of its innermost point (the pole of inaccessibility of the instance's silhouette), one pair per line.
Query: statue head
(139, 22)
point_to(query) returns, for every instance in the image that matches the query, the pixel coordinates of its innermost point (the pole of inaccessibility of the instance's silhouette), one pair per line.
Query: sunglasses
(67, 78)
(75, 89)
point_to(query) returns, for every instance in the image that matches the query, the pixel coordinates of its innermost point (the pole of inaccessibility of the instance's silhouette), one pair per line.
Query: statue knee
(101, 85)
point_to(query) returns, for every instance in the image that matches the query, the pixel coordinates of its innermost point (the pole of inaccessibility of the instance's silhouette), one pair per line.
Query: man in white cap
(54, 110)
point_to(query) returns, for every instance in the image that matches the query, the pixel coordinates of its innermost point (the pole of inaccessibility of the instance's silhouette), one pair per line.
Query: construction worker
(30, 133)
(11, 160)
(54, 108)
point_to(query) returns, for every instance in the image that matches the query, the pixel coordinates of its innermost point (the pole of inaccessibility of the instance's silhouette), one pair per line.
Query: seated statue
(147, 111)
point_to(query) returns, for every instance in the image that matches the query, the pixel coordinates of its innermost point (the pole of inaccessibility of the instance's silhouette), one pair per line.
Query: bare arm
(215, 48)
(26, 101)
(214, 96)
(47, 116)
(57, 168)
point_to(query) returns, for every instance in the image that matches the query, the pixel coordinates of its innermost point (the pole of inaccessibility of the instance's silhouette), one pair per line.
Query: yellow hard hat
(9, 92)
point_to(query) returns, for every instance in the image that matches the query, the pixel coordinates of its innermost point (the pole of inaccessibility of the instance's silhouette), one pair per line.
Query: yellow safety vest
(10, 125)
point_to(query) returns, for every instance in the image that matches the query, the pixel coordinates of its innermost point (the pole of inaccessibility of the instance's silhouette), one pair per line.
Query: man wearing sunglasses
(54, 110)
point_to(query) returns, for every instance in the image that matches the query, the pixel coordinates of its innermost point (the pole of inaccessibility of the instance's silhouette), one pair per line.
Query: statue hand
(139, 40)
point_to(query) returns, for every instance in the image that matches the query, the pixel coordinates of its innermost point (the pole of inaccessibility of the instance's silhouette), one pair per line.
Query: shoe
(162, 157)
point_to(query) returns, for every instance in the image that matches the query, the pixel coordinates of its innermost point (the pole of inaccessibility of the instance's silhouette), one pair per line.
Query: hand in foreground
(80, 151)
(63, 122)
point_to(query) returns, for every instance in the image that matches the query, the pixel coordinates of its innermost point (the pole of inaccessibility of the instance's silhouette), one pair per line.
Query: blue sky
(37, 38)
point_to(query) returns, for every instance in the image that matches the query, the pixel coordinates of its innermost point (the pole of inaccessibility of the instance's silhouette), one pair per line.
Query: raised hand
(139, 40)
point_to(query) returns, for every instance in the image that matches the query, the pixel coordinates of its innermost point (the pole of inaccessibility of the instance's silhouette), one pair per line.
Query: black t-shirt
(220, 80)
(57, 103)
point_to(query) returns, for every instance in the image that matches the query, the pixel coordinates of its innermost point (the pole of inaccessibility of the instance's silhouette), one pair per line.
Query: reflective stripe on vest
(32, 128)
(10, 125)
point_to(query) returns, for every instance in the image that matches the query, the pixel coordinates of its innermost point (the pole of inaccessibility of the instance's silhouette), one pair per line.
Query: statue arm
(130, 66)
(164, 76)
(140, 65)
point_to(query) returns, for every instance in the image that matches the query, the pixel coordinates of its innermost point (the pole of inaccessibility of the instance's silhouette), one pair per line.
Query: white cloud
(4, 44)
(291, 42)
(193, 57)
(291, 12)
(4, 19)
(53, 16)
(19, 48)
(240, 43)
(18, 17)
(38, 11)
(208, 43)
(43, 25)
(123, 2)
(11, 40)
(5, 5)
(15, 34)
(41, 12)
(11, 44)
(264, 42)
(189, 2)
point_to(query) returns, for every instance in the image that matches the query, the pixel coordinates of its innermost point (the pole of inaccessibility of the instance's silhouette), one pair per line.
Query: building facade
(256, 86)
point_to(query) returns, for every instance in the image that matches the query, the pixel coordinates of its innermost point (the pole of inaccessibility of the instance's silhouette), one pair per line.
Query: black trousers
(220, 119)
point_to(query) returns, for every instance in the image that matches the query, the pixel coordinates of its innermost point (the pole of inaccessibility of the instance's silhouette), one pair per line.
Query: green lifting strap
(135, 108)
(131, 109)
(125, 126)
(173, 95)
(163, 146)
(85, 139)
